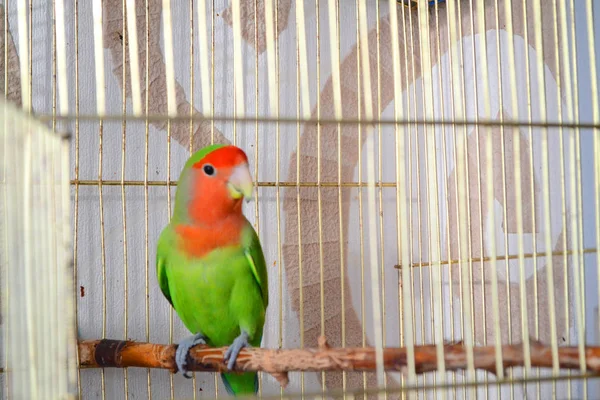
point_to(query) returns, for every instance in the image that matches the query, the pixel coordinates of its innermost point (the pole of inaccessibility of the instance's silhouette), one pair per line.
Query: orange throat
(198, 240)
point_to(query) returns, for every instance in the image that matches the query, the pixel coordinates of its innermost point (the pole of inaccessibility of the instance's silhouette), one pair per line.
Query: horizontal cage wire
(426, 181)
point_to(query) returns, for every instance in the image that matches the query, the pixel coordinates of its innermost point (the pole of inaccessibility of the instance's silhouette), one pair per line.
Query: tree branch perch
(108, 353)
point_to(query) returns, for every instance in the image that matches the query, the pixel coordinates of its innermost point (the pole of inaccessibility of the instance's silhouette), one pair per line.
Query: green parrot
(209, 262)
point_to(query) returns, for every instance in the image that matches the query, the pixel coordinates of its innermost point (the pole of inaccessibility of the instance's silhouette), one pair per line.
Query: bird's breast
(198, 241)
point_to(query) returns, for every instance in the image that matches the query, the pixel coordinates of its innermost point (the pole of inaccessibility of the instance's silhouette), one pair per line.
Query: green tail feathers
(241, 384)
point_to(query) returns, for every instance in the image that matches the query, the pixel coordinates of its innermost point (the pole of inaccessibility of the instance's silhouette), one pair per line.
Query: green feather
(217, 294)
(200, 154)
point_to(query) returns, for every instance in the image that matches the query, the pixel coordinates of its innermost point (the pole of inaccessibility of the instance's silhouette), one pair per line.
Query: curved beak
(240, 183)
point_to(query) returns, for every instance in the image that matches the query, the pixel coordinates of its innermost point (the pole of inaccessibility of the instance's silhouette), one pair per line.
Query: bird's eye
(208, 169)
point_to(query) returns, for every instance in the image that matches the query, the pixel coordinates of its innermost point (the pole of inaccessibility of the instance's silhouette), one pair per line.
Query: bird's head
(214, 182)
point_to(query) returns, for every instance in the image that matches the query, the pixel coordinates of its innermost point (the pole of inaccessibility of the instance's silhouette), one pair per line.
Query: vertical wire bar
(238, 63)
(303, 67)
(319, 194)
(469, 264)
(271, 66)
(334, 52)
(256, 146)
(23, 55)
(212, 122)
(526, 347)
(446, 174)
(504, 189)
(192, 108)
(169, 213)
(425, 85)
(563, 69)
(191, 114)
(6, 33)
(537, 16)
(61, 56)
(171, 111)
(102, 242)
(462, 178)
(408, 279)
(126, 18)
(469, 255)
(273, 72)
(504, 196)
(76, 195)
(169, 59)
(302, 87)
(433, 206)
(596, 119)
(380, 192)
(203, 53)
(101, 110)
(579, 249)
(212, 104)
(416, 171)
(360, 194)
(30, 60)
(401, 201)
(483, 53)
(146, 159)
(574, 158)
(278, 192)
(371, 195)
(299, 221)
(134, 62)
(99, 58)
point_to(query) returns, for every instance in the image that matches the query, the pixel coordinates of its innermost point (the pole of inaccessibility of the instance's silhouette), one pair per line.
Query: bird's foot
(183, 349)
(232, 352)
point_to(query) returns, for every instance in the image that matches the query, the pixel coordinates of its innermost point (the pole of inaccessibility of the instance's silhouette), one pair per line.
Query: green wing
(161, 262)
(256, 258)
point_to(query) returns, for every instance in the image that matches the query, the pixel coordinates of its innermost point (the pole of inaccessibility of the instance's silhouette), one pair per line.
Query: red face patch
(228, 156)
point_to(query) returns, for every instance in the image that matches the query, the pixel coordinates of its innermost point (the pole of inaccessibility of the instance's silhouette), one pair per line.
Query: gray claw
(183, 349)
(232, 352)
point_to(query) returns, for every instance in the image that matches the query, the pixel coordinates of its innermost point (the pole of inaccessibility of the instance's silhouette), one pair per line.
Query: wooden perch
(120, 354)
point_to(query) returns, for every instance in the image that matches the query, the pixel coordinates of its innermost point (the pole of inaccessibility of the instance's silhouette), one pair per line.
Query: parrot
(210, 264)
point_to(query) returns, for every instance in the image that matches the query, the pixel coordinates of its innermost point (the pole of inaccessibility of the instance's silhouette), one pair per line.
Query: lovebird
(209, 262)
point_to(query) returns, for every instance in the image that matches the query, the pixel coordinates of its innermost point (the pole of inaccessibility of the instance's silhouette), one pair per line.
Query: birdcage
(427, 190)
